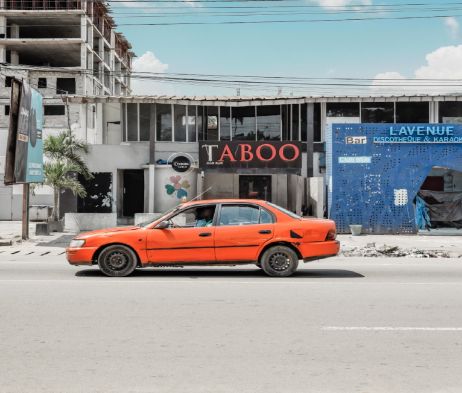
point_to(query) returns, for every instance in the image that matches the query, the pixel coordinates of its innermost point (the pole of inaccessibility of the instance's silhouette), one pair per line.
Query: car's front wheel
(117, 261)
(279, 261)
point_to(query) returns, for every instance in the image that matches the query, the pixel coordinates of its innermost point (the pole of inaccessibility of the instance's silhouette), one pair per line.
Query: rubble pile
(370, 250)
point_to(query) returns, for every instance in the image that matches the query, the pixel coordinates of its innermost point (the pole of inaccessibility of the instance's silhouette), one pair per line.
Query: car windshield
(285, 211)
(163, 215)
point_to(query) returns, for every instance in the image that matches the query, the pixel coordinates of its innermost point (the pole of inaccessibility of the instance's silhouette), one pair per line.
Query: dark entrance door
(133, 192)
(255, 187)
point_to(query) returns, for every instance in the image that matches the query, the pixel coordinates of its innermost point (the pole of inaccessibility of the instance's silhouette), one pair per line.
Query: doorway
(133, 192)
(255, 187)
(439, 200)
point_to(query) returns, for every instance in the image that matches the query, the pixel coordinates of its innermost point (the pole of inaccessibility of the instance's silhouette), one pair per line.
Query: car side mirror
(163, 225)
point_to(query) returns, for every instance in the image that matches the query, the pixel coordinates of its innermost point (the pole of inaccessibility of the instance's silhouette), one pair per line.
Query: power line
(275, 77)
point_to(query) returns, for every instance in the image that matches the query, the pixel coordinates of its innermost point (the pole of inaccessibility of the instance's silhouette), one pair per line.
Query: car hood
(107, 231)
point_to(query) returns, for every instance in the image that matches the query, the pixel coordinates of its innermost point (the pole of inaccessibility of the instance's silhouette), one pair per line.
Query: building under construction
(61, 48)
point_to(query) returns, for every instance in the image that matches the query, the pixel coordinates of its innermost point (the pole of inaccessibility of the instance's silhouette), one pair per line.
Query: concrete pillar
(2, 26)
(323, 121)
(14, 57)
(316, 196)
(14, 31)
(200, 183)
(2, 54)
(309, 139)
(434, 118)
(151, 189)
(300, 196)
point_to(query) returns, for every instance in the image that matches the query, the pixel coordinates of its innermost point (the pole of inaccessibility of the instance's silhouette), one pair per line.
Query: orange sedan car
(210, 232)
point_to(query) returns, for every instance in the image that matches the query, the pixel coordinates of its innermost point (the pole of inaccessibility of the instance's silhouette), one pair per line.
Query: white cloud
(148, 62)
(342, 3)
(443, 63)
(452, 24)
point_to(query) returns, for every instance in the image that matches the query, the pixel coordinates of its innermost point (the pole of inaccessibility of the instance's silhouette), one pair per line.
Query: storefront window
(244, 123)
(164, 122)
(132, 122)
(269, 123)
(317, 134)
(225, 124)
(412, 112)
(303, 122)
(180, 123)
(192, 123)
(145, 121)
(450, 112)
(342, 109)
(377, 112)
(295, 123)
(200, 122)
(211, 123)
(285, 119)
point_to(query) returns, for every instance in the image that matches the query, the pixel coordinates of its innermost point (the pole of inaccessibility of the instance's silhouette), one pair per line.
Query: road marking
(392, 328)
(196, 279)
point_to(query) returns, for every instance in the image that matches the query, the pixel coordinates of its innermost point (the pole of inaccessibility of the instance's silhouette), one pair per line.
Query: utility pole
(25, 211)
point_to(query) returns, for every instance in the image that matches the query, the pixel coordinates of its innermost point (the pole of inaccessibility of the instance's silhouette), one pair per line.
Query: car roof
(211, 201)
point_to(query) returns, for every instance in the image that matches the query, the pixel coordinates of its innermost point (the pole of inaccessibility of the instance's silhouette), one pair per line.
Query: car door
(184, 240)
(241, 231)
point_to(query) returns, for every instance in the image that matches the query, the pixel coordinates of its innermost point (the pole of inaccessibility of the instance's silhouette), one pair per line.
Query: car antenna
(202, 193)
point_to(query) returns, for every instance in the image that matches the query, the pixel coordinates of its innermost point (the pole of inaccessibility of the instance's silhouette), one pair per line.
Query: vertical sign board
(24, 155)
(28, 166)
(12, 132)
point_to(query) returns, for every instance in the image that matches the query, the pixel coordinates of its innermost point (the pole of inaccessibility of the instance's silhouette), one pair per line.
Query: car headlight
(76, 243)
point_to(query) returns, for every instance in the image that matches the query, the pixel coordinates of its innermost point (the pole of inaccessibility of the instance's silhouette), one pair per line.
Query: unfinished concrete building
(60, 48)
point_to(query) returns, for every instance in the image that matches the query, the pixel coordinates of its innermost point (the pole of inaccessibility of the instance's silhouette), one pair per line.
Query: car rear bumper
(319, 250)
(80, 256)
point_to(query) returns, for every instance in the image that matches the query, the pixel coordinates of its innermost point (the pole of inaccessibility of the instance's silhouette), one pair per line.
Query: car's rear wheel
(279, 261)
(117, 261)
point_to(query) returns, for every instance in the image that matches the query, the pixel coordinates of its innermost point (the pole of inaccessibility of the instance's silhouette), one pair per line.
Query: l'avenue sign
(248, 155)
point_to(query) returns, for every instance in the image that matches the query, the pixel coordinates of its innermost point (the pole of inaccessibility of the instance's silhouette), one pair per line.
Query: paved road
(342, 325)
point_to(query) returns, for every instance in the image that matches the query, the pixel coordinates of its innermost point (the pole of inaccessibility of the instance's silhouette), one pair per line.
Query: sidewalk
(367, 245)
(10, 235)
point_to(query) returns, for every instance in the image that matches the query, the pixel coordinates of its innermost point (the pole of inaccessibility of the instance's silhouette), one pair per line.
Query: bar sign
(356, 140)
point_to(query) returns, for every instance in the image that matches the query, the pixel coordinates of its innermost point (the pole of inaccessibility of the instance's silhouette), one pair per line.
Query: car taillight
(331, 235)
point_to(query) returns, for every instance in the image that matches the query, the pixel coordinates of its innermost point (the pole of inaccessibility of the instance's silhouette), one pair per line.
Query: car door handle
(205, 234)
(265, 231)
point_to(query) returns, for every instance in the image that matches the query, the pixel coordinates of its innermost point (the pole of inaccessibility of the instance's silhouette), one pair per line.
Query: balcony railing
(42, 5)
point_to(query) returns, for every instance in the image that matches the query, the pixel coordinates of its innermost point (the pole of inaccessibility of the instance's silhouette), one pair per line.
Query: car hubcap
(279, 261)
(117, 260)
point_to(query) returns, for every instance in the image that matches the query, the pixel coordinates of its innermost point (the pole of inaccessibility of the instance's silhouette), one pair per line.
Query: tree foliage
(64, 162)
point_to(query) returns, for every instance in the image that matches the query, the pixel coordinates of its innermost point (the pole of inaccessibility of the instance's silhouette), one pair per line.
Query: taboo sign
(249, 155)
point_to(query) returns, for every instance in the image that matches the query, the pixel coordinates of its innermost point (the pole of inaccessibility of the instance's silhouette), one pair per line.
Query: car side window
(239, 215)
(201, 216)
(265, 217)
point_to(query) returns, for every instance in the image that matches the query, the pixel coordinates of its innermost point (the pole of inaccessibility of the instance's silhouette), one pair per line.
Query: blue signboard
(29, 143)
(376, 170)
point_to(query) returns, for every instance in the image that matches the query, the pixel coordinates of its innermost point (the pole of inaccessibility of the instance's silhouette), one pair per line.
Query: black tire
(117, 261)
(279, 261)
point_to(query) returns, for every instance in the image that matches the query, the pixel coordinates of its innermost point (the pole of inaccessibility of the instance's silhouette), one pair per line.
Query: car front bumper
(80, 256)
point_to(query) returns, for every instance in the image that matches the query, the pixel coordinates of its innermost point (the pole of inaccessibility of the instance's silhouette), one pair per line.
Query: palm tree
(64, 162)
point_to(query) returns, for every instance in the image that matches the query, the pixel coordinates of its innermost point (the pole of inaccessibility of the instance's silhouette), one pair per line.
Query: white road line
(392, 328)
(199, 280)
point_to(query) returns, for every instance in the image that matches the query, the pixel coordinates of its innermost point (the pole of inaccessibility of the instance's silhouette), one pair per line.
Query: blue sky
(341, 49)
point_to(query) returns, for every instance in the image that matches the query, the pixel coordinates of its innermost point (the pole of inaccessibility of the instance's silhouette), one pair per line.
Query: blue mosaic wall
(374, 183)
